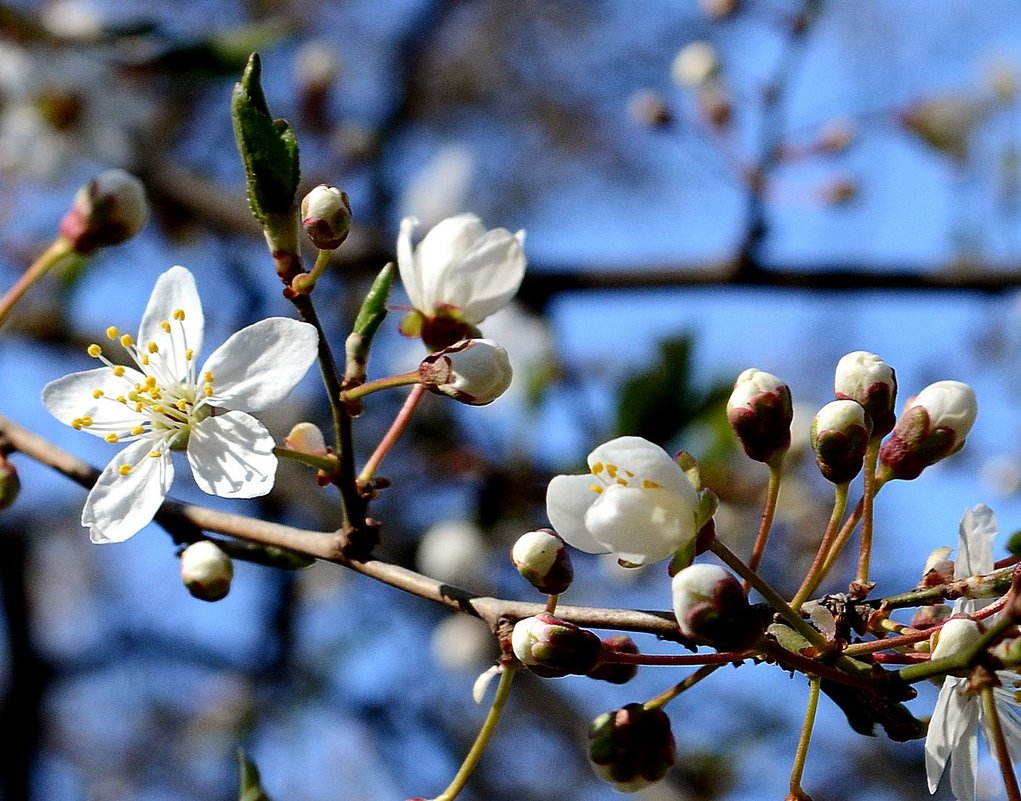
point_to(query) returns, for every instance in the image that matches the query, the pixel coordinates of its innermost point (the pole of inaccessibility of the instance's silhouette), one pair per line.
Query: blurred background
(706, 186)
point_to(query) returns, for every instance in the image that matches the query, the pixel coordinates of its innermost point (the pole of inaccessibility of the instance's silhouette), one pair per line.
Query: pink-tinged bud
(616, 672)
(326, 216)
(108, 210)
(473, 371)
(864, 377)
(938, 568)
(552, 647)
(718, 9)
(542, 558)
(307, 438)
(934, 425)
(760, 412)
(926, 617)
(712, 608)
(10, 484)
(632, 747)
(206, 571)
(840, 434)
(836, 135)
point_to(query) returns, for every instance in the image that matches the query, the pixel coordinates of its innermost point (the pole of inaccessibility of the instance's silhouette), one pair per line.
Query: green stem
(768, 512)
(861, 582)
(57, 250)
(328, 464)
(666, 697)
(800, 756)
(815, 573)
(485, 734)
(391, 381)
(940, 667)
(304, 283)
(998, 742)
(396, 429)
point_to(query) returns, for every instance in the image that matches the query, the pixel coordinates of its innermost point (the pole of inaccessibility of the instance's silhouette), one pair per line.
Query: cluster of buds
(472, 371)
(712, 609)
(108, 210)
(206, 571)
(632, 747)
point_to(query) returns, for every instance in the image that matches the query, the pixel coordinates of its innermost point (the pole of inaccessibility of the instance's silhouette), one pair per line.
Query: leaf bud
(632, 747)
(864, 377)
(307, 438)
(542, 558)
(760, 413)
(932, 426)
(840, 434)
(206, 570)
(553, 648)
(473, 371)
(616, 672)
(712, 608)
(326, 216)
(108, 210)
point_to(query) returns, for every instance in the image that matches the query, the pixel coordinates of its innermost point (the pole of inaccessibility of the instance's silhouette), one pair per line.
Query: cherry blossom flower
(163, 403)
(635, 502)
(953, 728)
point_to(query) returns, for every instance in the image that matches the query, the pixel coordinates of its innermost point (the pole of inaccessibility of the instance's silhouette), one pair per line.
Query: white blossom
(635, 503)
(163, 403)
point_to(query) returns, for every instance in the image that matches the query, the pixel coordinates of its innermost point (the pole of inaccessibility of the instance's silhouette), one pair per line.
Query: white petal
(260, 364)
(964, 767)
(486, 278)
(953, 718)
(118, 507)
(231, 455)
(175, 289)
(568, 498)
(647, 461)
(441, 250)
(641, 525)
(71, 397)
(975, 552)
(410, 274)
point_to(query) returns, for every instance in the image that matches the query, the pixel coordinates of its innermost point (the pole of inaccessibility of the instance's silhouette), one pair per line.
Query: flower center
(610, 474)
(163, 403)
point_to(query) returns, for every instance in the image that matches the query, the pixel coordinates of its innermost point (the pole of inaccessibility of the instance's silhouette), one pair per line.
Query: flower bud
(648, 107)
(552, 647)
(938, 568)
(694, 64)
(10, 484)
(473, 371)
(541, 557)
(957, 636)
(925, 617)
(616, 672)
(108, 210)
(717, 9)
(840, 434)
(864, 377)
(632, 747)
(712, 608)
(206, 570)
(307, 438)
(760, 412)
(932, 426)
(326, 216)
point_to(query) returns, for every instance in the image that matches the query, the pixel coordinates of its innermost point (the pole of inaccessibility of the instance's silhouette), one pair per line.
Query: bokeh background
(812, 178)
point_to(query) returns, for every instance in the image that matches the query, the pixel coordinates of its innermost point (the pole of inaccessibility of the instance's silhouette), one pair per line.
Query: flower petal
(955, 716)
(71, 397)
(439, 252)
(647, 461)
(641, 526)
(260, 364)
(486, 278)
(175, 289)
(975, 551)
(231, 455)
(411, 276)
(119, 506)
(568, 498)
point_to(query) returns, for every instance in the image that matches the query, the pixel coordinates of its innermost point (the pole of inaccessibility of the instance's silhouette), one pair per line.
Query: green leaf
(373, 310)
(268, 147)
(249, 783)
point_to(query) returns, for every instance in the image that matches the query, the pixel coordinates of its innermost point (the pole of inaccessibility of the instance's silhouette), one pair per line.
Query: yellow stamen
(137, 430)
(165, 326)
(94, 350)
(112, 332)
(596, 489)
(208, 376)
(124, 469)
(112, 438)
(181, 405)
(152, 347)
(155, 454)
(178, 314)
(650, 484)
(122, 399)
(76, 424)
(127, 340)
(118, 371)
(189, 354)
(622, 482)
(145, 359)
(97, 394)
(85, 421)
(597, 468)
(611, 469)
(207, 391)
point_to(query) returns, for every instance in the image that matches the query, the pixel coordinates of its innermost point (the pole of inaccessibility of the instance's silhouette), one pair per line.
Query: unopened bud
(955, 637)
(694, 64)
(715, 104)
(632, 747)
(836, 135)
(552, 647)
(712, 608)
(760, 413)
(326, 216)
(718, 9)
(306, 438)
(934, 425)
(473, 371)
(925, 617)
(10, 484)
(647, 107)
(108, 210)
(206, 570)
(542, 558)
(839, 191)
(864, 377)
(616, 672)
(840, 434)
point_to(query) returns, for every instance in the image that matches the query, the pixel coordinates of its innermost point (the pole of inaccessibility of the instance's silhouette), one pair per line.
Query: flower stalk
(57, 251)
(998, 743)
(768, 511)
(801, 755)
